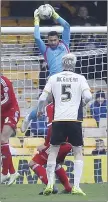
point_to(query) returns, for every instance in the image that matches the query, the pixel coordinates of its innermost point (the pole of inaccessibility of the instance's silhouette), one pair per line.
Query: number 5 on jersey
(66, 93)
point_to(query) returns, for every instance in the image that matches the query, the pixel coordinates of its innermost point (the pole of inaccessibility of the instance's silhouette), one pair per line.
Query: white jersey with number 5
(67, 88)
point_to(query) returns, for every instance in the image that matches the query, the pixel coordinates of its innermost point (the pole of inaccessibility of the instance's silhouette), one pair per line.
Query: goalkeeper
(56, 49)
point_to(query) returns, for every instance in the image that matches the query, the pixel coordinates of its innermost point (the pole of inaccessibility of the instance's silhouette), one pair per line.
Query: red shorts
(11, 118)
(42, 157)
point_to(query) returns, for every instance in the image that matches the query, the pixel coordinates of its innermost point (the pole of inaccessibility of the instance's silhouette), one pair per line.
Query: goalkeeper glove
(54, 14)
(36, 17)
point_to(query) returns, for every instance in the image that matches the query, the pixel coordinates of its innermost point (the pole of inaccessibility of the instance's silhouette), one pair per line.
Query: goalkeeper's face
(53, 41)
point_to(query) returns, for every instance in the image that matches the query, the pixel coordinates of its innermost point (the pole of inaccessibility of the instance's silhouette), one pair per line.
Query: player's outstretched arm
(40, 43)
(43, 98)
(86, 94)
(41, 103)
(63, 23)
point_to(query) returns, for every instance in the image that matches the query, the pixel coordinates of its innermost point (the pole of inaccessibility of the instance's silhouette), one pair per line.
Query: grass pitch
(29, 193)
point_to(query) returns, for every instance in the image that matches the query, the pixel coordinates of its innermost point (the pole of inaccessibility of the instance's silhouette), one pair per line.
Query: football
(45, 12)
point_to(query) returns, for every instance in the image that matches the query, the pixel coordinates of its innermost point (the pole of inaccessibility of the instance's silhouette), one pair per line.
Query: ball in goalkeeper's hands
(45, 12)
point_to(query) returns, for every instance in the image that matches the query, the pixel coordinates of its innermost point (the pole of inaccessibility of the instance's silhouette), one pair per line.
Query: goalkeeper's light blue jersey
(53, 57)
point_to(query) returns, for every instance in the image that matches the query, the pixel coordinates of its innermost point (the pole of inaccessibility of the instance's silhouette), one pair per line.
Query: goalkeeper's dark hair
(53, 33)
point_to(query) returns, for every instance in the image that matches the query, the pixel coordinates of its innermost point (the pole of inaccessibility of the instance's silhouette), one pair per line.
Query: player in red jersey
(40, 159)
(9, 118)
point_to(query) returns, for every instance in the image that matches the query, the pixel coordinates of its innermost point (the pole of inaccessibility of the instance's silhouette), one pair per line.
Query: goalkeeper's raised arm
(56, 49)
(39, 41)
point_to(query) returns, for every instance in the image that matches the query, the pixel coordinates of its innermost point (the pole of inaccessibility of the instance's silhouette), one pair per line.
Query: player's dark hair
(53, 33)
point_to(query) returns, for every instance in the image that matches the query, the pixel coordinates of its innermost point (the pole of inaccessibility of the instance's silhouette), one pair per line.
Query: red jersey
(50, 113)
(8, 99)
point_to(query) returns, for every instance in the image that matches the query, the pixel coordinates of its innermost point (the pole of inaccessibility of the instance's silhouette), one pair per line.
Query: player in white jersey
(71, 92)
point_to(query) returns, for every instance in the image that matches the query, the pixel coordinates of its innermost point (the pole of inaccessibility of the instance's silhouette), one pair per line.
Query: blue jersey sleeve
(66, 30)
(33, 115)
(39, 41)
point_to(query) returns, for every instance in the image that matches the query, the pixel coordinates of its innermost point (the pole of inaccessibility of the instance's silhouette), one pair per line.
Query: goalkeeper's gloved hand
(36, 17)
(54, 14)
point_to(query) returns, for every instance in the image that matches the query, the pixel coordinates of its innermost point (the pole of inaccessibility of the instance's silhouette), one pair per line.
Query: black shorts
(61, 130)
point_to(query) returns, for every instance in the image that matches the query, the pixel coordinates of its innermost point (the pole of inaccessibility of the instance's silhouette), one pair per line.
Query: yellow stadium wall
(93, 166)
